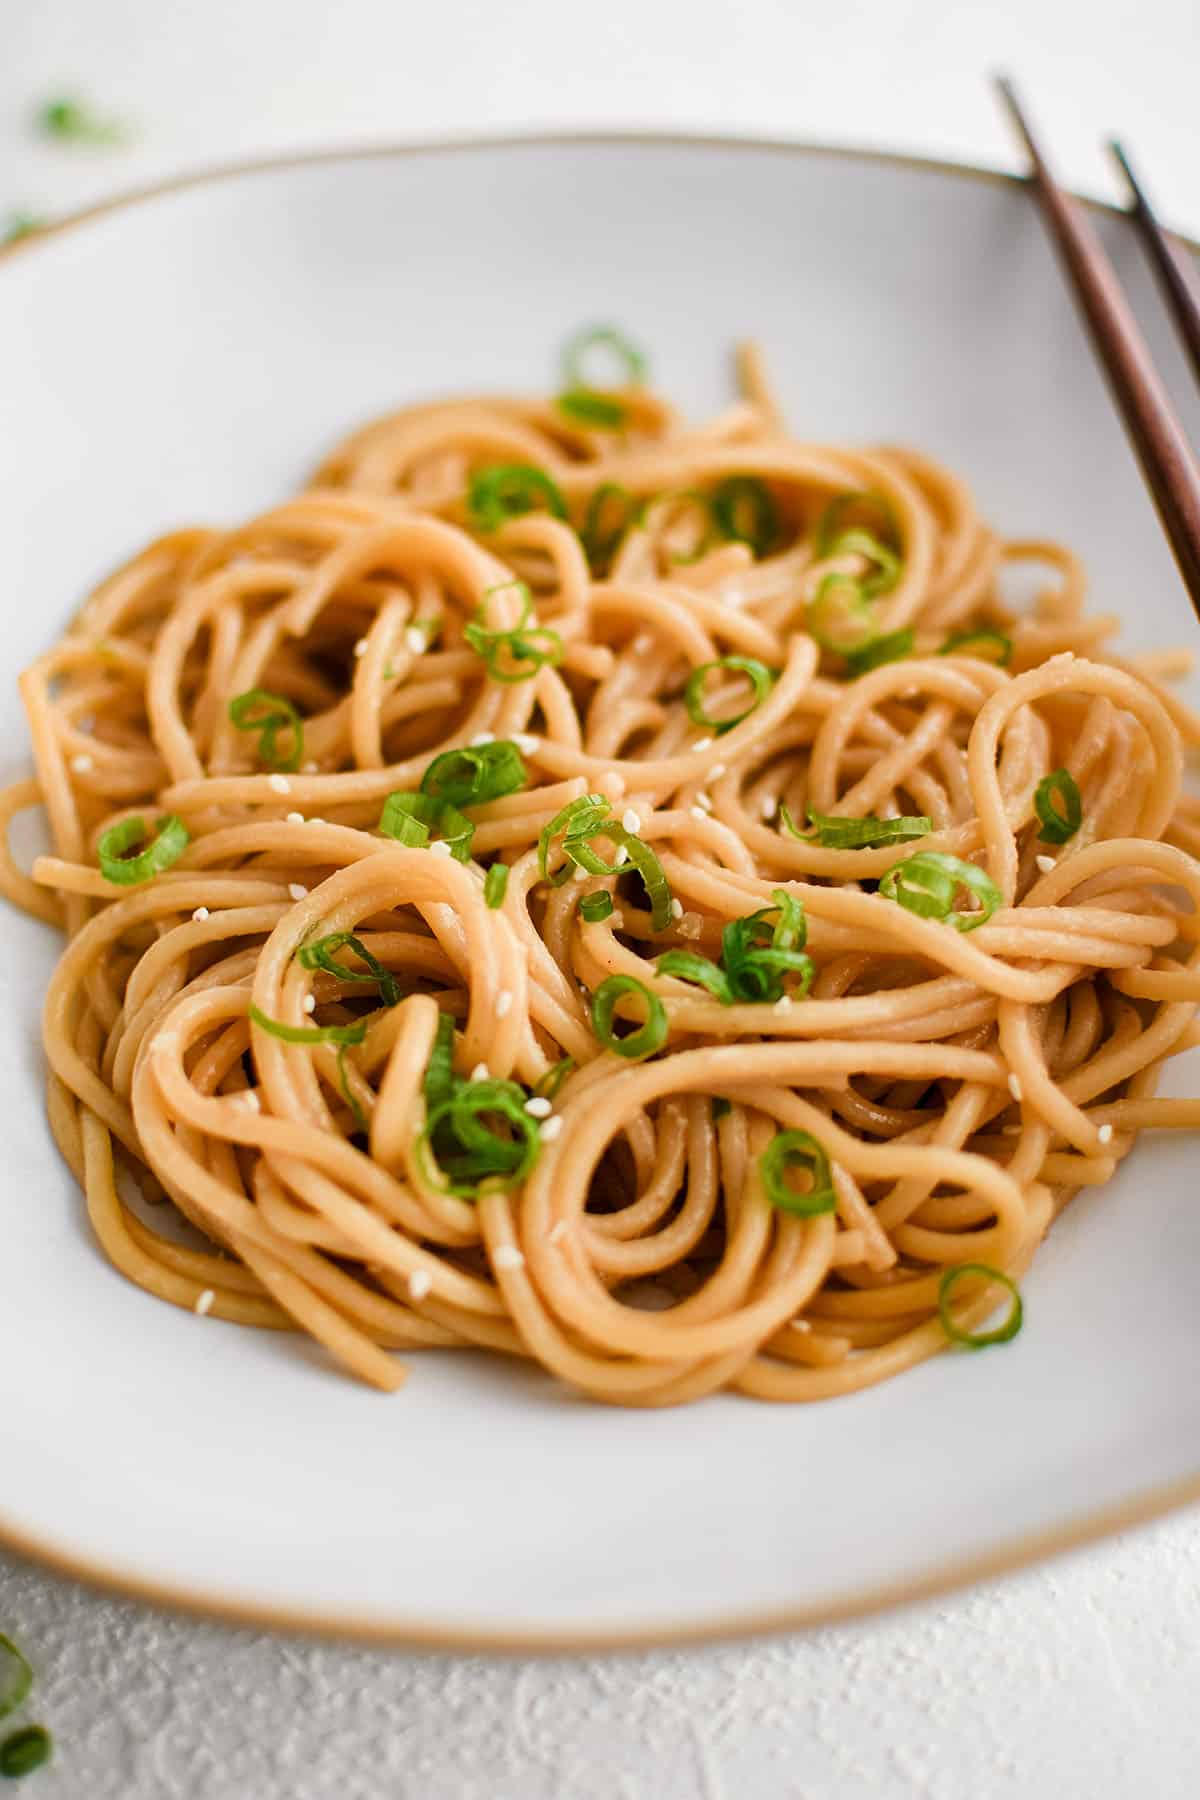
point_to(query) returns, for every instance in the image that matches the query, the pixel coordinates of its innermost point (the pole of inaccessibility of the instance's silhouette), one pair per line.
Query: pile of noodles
(794, 1190)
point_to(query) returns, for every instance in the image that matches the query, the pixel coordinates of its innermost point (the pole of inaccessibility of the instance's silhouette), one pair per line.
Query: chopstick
(1165, 259)
(1162, 449)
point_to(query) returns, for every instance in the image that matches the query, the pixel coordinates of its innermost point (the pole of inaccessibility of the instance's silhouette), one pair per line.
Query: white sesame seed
(507, 1256)
(414, 638)
(716, 772)
(704, 800)
(770, 807)
(297, 890)
(539, 1107)
(419, 1283)
(783, 1004)
(691, 925)
(702, 744)
(279, 784)
(294, 818)
(579, 873)
(557, 1231)
(503, 1004)
(482, 737)
(621, 856)
(677, 909)
(310, 1003)
(480, 1072)
(204, 1302)
(1105, 1134)
(551, 1129)
(1014, 1088)
(201, 913)
(315, 820)
(250, 1100)
(697, 812)
(799, 1324)
(631, 819)
(525, 742)
(360, 649)
(643, 643)
(1045, 864)
(82, 763)
(440, 847)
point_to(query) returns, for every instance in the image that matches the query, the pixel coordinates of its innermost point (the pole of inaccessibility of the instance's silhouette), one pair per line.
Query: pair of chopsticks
(1166, 457)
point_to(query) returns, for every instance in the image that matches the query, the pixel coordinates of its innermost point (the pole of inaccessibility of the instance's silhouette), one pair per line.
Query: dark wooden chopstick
(1166, 260)
(1158, 439)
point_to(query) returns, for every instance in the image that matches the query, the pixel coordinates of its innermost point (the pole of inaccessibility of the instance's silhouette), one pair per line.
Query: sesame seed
(250, 1100)
(204, 1302)
(702, 744)
(279, 784)
(621, 856)
(783, 1004)
(419, 1283)
(799, 1324)
(1014, 1088)
(480, 1072)
(1046, 863)
(643, 643)
(482, 737)
(716, 772)
(507, 1256)
(503, 1004)
(677, 909)
(440, 847)
(539, 1107)
(691, 925)
(297, 890)
(697, 812)
(704, 800)
(294, 818)
(310, 1003)
(525, 742)
(82, 763)
(360, 649)
(579, 873)
(631, 819)
(551, 1129)
(557, 1231)
(414, 638)
(770, 807)
(1105, 1134)
(201, 913)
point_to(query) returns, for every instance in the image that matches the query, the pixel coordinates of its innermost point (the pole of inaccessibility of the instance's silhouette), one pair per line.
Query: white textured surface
(1077, 1680)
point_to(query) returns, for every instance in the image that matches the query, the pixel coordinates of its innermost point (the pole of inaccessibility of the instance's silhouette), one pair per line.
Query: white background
(1078, 1680)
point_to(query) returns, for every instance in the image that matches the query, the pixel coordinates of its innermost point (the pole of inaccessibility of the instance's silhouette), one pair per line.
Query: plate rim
(1020, 1552)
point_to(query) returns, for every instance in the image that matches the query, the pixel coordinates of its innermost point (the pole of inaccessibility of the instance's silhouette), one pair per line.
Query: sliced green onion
(761, 680)
(19, 225)
(979, 1340)
(838, 515)
(927, 883)
(269, 714)
(596, 907)
(320, 955)
(159, 853)
(495, 885)
(1058, 826)
(24, 1751)
(641, 858)
(686, 965)
(584, 406)
(883, 578)
(73, 121)
(505, 651)
(630, 363)
(797, 1150)
(348, 1094)
(744, 509)
(653, 1033)
(600, 543)
(473, 776)
(16, 1676)
(721, 1107)
(980, 643)
(409, 818)
(310, 1034)
(835, 833)
(840, 617)
(700, 502)
(508, 490)
(459, 1150)
(547, 1088)
(892, 646)
(440, 1079)
(578, 816)
(757, 953)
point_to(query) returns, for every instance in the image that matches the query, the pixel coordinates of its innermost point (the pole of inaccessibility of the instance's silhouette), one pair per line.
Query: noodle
(921, 862)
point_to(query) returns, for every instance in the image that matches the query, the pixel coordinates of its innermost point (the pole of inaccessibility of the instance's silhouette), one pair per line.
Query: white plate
(187, 357)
